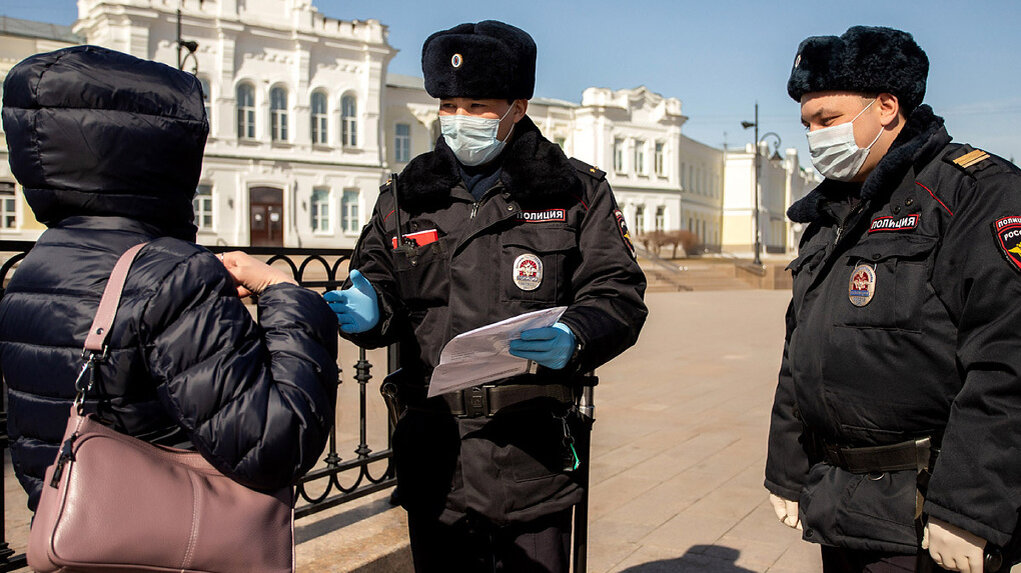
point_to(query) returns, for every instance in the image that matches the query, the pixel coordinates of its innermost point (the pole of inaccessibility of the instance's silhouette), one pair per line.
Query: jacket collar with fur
(532, 168)
(921, 139)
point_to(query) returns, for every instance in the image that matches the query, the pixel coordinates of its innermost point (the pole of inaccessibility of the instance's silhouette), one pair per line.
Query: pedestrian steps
(692, 274)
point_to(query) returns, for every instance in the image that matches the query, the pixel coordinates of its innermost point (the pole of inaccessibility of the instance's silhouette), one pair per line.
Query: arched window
(246, 111)
(319, 117)
(278, 113)
(349, 120)
(206, 98)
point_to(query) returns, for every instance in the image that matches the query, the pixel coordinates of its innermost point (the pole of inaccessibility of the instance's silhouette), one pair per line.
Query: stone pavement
(680, 442)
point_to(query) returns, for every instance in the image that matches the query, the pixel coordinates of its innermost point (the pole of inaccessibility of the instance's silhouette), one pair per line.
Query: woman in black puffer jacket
(109, 149)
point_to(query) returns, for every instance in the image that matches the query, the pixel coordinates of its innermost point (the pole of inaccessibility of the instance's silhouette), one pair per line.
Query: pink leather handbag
(112, 502)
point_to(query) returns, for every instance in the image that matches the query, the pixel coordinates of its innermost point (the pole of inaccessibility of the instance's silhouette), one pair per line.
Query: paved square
(680, 442)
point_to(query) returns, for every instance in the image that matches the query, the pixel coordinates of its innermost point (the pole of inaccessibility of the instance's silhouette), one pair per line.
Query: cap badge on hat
(456, 60)
(797, 61)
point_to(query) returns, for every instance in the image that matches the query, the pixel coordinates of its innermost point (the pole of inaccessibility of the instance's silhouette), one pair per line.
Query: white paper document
(483, 355)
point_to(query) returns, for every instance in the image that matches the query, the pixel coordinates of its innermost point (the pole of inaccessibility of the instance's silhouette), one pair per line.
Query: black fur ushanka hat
(485, 60)
(865, 59)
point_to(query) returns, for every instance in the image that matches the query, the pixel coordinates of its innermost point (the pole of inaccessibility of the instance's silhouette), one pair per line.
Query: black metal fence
(340, 480)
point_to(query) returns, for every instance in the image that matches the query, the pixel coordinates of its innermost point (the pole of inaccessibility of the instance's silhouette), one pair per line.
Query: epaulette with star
(594, 172)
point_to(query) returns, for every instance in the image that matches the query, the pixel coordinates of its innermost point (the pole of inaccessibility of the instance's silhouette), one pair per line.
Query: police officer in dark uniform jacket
(493, 223)
(895, 422)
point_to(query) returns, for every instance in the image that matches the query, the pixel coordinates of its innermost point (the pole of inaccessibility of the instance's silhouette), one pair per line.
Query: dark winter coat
(508, 468)
(186, 362)
(934, 353)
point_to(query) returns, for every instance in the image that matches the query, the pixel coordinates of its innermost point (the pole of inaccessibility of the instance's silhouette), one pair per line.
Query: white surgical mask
(473, 139)
(834, 151)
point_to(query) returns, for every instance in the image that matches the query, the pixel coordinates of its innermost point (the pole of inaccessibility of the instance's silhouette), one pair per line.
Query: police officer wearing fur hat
(493, 223)
(894, 438)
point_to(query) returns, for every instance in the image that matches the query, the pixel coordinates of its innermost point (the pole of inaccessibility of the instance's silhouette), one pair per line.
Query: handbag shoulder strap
(95, 342)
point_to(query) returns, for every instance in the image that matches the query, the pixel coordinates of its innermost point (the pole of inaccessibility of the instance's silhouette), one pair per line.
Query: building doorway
(266, 217)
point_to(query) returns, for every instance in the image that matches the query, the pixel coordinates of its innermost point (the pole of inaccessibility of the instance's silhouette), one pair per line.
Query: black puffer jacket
(109, 149)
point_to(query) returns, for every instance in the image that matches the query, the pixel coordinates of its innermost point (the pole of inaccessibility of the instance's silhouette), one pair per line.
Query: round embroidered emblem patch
(527, 272)
(862, 286)
(456, 60)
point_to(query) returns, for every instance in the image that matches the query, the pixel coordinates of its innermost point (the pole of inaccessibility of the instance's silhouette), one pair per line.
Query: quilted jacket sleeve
(257, 399)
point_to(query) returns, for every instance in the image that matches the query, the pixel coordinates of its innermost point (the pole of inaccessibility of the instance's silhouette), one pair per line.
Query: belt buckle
(476, 402)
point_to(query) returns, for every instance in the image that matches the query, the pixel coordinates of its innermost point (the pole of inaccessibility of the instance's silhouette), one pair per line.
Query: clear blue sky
(718, 57)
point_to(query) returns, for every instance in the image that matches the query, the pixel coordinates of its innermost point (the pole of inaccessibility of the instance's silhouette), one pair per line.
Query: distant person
(109, 149)
(503, 224)
(897, 420)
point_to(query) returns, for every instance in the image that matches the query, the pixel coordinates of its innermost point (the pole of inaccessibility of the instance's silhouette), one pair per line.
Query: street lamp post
(755, 182)
(190, 45)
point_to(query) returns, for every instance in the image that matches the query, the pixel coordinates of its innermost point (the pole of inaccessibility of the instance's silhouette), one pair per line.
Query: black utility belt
(487, 400)
(918, 455)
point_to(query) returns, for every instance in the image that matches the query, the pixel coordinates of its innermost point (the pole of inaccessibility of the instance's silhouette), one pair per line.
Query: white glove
(953, 548)
(786, 511)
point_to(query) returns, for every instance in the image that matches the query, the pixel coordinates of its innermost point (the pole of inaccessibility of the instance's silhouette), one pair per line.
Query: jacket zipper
(843, 222)
(476, 204)
(66, 455)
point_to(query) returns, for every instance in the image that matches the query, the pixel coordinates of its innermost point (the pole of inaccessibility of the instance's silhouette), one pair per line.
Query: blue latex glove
(551, 347)
(356, 307)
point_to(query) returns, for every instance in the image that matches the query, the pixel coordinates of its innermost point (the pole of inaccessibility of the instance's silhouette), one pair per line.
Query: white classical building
(305, 124)
(295, 153)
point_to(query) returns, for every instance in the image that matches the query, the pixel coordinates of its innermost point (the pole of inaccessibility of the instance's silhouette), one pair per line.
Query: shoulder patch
(587, 169)
(969, 159)
(1007, 233)
(625, 235)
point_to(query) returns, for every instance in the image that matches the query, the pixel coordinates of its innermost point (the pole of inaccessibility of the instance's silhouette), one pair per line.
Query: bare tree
(686, 240)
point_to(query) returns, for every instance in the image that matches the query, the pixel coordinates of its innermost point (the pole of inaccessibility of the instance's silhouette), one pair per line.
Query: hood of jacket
(92, 131)
(532, 167)
(921, 139)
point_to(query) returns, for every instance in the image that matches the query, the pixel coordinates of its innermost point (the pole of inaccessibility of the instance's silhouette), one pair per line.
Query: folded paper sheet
(483, 355)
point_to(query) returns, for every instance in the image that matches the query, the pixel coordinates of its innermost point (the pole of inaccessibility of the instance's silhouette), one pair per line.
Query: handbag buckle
(82, 386)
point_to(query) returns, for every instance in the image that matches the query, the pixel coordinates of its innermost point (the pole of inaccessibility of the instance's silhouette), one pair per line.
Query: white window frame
(659, 162)
(245, 113)
(349, 209)
(639, 152)
(278, 114)
(402, 143)
(349, 120)
(618, 156)
(8, 206)
(320, 211)
(320, 118)
(639, 220)
(660, 221)
(202, 205)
